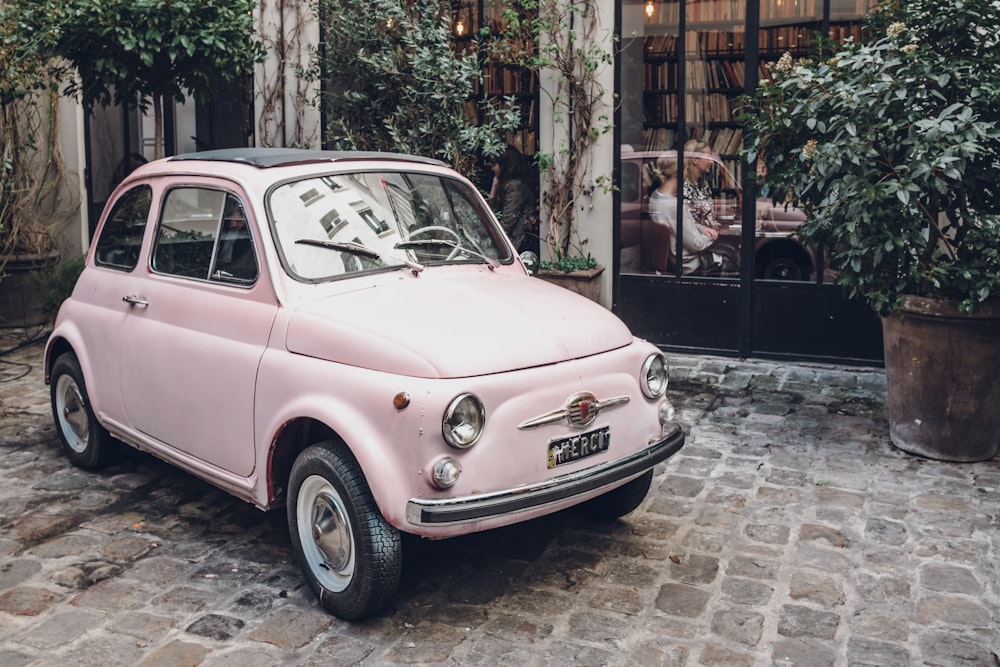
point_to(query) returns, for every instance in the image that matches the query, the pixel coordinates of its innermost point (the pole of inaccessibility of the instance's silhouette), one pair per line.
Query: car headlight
(463, 421)
(654, 375)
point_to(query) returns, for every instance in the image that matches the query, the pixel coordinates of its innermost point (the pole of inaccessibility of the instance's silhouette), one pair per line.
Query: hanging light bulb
(459, 28)
(649, 9)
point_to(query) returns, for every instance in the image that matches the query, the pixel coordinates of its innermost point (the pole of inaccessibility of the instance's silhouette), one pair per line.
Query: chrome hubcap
(72, 413)
(331, 532)
(325, 533)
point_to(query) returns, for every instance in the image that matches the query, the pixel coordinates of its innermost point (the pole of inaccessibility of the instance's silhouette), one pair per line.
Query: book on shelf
(789, 9)
(660, 45)
(716, 10)
(659, 139)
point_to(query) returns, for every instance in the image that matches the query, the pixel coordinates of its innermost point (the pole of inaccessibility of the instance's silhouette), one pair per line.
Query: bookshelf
(502, 84)
(713, 64)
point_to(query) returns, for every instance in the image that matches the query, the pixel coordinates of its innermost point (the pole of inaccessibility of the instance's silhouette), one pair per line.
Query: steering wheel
(447, 231)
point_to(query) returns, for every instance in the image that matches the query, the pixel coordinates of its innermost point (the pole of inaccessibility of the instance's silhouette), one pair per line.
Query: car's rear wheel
(87, 444)
(783, 266)
(621, 501)
(350, 555)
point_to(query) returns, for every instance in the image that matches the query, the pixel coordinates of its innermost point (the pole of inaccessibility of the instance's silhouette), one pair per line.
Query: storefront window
(682, 77)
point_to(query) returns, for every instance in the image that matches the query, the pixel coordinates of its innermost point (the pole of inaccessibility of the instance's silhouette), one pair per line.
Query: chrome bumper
(430, 512)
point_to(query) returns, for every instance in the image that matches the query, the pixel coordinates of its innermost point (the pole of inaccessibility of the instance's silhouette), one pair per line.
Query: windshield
(334, 225)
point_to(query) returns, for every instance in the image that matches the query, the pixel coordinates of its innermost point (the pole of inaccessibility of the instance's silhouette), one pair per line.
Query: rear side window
(204, 234)
(121, 238)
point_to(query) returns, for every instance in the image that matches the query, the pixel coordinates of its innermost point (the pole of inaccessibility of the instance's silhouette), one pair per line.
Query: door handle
(134, 300)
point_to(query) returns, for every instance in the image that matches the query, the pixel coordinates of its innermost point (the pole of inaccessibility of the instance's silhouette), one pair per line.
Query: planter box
(23, 288)
(586, 283)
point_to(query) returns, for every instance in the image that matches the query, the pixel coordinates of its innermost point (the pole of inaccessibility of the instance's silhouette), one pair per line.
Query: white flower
(895, 29)
(909, 48)
(784, 63)
(809, 150)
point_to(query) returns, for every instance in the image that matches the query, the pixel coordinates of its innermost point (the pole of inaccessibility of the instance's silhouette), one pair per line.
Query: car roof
(264, 158)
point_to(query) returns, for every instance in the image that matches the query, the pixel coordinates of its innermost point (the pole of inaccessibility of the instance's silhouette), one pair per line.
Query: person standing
(513, 198)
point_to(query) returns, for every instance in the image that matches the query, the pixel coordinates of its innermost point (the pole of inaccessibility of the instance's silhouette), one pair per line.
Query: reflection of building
(677, 73)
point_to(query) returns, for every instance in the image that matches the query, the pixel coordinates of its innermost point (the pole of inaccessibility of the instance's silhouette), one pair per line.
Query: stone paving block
(27, 601)
(292, 628)
(802, 652)
(742, 626)
(801, 621)
(861, 651)
(718, 656)
(176, 654)
(60, 629)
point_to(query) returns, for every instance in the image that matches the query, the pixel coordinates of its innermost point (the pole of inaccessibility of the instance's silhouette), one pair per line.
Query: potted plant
(27, 162)
(891, 146)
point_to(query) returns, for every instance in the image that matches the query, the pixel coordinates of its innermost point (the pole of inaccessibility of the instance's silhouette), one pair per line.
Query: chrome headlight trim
(445, 473)
(654, 376)
(463, 421)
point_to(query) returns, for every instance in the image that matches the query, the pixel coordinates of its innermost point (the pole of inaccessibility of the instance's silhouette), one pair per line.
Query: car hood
(448, 324)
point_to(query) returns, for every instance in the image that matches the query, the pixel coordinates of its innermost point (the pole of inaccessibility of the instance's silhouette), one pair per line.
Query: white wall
(594, 211)
(283, 115)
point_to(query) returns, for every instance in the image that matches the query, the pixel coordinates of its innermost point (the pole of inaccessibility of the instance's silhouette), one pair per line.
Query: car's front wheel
(621, 501)
(87, 444)
(350, 555)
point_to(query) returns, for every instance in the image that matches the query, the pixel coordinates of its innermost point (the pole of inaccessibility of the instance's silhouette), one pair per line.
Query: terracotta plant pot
(941, 374)
(586, 282)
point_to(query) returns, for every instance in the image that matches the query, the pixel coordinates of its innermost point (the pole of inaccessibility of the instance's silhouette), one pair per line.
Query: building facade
(675, 73)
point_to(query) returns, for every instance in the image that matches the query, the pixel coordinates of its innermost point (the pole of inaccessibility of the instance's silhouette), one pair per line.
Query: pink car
(351, 336)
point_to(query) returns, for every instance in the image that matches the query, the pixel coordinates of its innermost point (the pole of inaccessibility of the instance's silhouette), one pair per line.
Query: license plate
(580, 446)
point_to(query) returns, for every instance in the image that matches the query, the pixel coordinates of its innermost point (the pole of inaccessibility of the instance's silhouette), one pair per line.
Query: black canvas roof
(277, 157)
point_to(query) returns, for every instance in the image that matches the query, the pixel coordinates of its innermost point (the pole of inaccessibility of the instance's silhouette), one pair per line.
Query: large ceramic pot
(23, 288)
(941, 373)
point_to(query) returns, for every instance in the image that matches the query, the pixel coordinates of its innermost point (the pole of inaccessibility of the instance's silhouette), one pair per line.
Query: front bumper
(449, 511)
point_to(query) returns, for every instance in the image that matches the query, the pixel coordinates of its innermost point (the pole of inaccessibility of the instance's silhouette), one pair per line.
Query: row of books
(700, 75)
(798, 38)
(728, 11)
(507, 80)
(725, 142)
(710, 108)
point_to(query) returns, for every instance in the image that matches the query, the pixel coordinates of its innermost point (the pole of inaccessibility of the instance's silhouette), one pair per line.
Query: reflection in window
(391, 218)
(121, 238)
(204, 234)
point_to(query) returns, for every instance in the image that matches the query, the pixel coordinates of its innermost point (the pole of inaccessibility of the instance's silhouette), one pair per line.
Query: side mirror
(530, 261)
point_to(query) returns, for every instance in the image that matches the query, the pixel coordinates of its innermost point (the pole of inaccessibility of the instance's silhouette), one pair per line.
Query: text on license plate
(580, 446)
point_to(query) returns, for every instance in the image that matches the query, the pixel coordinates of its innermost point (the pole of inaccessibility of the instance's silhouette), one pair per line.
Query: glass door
(705, 264)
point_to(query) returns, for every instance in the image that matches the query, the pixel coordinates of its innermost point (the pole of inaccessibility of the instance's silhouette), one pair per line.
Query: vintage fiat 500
(352, 336)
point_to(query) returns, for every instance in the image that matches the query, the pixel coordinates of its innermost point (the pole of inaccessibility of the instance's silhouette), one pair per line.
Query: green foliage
(392, 81)
(570, 263)
(133, 52)
(23, 78)
(559, 41)
(58, 285)
(892, 147)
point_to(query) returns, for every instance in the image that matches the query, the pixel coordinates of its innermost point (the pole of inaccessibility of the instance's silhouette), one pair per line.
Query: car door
(198, 323)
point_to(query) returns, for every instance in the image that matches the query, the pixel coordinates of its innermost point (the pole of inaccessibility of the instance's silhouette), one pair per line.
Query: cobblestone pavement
(787, 532)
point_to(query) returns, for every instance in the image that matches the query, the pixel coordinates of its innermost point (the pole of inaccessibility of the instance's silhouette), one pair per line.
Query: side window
(121, 237)
(204, 234)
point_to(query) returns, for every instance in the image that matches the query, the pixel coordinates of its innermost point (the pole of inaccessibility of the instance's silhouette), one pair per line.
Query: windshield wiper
(423, 243)
(357, 249)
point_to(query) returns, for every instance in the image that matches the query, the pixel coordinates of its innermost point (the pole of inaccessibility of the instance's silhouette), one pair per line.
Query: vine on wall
(570, 62)
(283, 94)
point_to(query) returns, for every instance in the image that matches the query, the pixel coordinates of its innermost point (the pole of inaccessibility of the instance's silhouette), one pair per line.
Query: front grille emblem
(580, 411)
